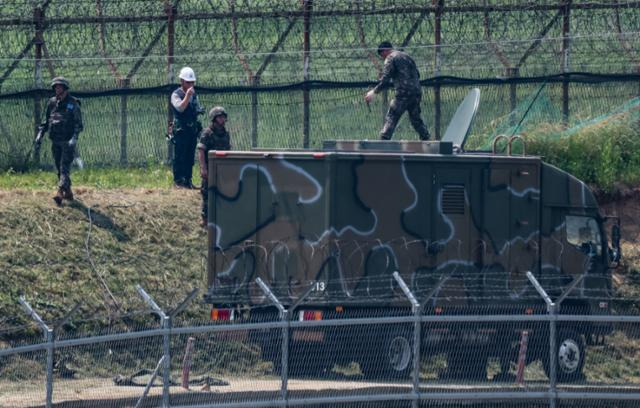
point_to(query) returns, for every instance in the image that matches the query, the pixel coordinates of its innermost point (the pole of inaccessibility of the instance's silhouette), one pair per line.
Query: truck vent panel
(453, 199)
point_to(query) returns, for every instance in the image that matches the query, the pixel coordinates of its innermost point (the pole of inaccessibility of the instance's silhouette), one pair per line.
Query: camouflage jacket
(214, 138)
(63, 118)
(401, 71)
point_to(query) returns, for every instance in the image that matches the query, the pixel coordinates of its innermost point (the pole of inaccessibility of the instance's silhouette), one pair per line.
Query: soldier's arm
(386, 78)
(202, 160)
(44, 126)
(181, 103)
(202, 154)
(78, 126)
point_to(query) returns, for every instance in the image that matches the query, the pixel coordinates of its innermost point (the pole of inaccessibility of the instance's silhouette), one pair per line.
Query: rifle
(37, 142)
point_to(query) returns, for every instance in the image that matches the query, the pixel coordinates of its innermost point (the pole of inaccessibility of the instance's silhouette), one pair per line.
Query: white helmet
(187, 74)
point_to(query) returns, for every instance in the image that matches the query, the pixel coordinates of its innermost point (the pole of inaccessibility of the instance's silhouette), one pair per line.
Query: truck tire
(570, 356)
(389, 357)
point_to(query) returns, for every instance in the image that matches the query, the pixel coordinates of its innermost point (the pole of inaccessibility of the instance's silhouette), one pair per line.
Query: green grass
(152, 176)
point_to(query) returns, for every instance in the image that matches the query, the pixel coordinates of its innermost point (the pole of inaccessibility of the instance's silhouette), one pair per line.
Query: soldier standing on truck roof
(186, 128)
(399, 69)
(215, 137)
(63, 120)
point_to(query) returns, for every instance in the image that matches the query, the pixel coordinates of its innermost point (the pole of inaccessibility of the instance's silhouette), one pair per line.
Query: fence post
(38, 17)
(436, 89)
(566, 59)
(417, 311)
(254, 111)
(284, 316)
(307, 6)
(124, 83)
(171, 12)
(553, 312)
(513, 73)
(166, 345)
(49, 338)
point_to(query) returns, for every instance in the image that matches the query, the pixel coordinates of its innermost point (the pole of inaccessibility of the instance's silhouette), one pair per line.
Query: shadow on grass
(100, 220)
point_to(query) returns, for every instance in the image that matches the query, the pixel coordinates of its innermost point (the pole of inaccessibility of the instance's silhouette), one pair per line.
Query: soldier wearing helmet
(63, 120)
(214, 137)
(186, 127)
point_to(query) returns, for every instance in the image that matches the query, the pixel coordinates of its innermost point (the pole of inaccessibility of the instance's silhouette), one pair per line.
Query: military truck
(461, 228)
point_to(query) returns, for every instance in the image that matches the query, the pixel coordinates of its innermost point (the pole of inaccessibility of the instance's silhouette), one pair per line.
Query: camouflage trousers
(63, 156)
(400, 104)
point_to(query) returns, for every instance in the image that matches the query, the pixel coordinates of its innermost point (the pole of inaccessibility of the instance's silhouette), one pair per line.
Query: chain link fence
(293, 74)
(406, 355)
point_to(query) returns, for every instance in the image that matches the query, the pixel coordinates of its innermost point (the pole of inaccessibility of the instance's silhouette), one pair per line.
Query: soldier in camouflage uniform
(63, 120)
(215, 137)
(186, 127)
(401, 71)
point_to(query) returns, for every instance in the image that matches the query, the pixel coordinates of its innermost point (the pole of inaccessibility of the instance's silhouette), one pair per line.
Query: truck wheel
(390, 357)
(570, 356)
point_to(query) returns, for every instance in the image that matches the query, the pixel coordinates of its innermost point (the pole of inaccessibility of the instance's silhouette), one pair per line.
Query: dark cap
(385, 45)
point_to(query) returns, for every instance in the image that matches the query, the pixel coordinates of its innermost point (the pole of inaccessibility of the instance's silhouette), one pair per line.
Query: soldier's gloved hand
(38, 140)
(73, 141)
(369, 95)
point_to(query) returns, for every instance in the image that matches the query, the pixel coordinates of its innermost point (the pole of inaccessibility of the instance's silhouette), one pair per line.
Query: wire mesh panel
(221, 368)
(323, 55)
(338, 356)
(23, 379)
(111, 374)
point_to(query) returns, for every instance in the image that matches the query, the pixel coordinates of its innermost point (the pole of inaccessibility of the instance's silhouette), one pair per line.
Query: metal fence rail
(288, 383)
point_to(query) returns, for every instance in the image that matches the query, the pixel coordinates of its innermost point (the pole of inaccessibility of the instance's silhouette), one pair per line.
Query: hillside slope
(96, 249)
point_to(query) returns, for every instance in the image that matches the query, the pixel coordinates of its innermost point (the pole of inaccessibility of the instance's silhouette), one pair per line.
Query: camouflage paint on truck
(347, 217)
(461, 229)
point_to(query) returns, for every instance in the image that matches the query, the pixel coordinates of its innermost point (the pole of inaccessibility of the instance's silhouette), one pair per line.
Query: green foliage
(603, 155)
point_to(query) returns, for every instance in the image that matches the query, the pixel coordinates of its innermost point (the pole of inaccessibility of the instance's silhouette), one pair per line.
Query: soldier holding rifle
(63, 120)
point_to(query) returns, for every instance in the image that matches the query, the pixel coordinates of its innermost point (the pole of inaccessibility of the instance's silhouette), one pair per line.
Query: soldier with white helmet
(186, 127)
(214, 137)
(63, 120)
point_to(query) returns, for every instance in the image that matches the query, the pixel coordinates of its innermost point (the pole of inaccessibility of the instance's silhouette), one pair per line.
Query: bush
(603, 155)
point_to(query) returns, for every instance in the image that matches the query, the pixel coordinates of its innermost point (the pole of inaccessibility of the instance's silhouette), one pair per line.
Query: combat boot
(67, 194)
(59, 196)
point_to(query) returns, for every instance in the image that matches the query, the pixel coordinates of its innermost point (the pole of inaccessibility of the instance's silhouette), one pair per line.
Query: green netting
(593, 105)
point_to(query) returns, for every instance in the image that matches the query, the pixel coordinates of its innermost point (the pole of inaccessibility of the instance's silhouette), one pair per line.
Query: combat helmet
(217, 111)
(60, 81)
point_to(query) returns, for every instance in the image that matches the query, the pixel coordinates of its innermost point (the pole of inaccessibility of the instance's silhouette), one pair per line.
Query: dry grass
(94, 250)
